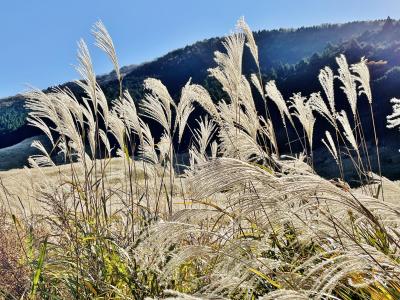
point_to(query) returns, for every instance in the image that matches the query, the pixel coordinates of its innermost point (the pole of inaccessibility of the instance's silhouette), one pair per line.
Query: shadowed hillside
(292, 57)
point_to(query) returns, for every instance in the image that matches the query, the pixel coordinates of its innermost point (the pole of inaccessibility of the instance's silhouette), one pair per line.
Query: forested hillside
(292, 57)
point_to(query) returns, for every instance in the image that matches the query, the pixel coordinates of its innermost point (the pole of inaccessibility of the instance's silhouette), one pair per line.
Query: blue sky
(38, 37)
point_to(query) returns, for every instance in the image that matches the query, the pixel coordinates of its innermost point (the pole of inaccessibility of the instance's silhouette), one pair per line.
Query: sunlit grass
(120, 220)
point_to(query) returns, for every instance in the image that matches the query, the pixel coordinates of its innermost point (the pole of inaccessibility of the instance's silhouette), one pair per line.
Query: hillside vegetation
(291, 57)
(238, 221)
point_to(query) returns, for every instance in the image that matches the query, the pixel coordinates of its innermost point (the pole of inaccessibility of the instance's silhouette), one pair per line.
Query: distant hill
(17, 155)
(293, 57)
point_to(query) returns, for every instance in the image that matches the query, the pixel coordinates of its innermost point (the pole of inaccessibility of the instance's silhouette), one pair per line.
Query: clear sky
(38, 37)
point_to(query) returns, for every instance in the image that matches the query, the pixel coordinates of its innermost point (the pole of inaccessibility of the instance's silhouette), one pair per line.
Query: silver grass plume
(203, 135)
(230, 123)
(249, 149)
(105, 43)
(158, 102)
(61, 110)
(361, 69)
(66, 97)
(41, 107)
(229, 69)
(233, 45)
(295, 165)
(199, 94)
(41, 125)
(195, 157)
(249, 123)
(243, 133)
(117, 128)
(185, 108)
(147, 148)
(85, 70)
(126, 110)
(393, 120)
(348, 81)
(251, 43)
(303, 111)
(348, 132)
(246, 97)
(275, 95)
(363, 259)
(106, 142)
(40, 160)
(268, 131)
(296, 194)
(326, 80)
(81, 114)
(256, 81)
(330, 145)
(183, 118)
(227, 113)
(164, 147)
(317, 104)
(91, 128)
(102, 103)
(248, 119)
(152, 108)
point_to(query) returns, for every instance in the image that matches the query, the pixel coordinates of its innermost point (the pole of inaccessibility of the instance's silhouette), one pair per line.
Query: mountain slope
(292, 57)
(277, 47)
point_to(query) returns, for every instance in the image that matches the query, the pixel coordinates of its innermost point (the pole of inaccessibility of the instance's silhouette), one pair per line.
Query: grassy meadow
(122, 218)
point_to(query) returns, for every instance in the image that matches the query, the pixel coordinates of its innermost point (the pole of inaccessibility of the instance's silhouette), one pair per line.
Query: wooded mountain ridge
(292, 57)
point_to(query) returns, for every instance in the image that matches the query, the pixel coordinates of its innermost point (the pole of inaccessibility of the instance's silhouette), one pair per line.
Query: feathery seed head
(317, 104)
(275, 95)
(105, 43)
(348, 81)
(229, 69)
(85, 70)
(126, 110)
(193, 93)
(330, 145)
(157, 104)
(303, 111)
(251, 43)
(361, 69)
(348, 132)
(326, 80)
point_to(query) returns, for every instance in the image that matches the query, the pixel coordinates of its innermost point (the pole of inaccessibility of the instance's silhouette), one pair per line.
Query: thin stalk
(377, 149)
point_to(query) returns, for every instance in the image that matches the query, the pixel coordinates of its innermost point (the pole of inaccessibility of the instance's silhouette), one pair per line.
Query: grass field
(239, 221)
